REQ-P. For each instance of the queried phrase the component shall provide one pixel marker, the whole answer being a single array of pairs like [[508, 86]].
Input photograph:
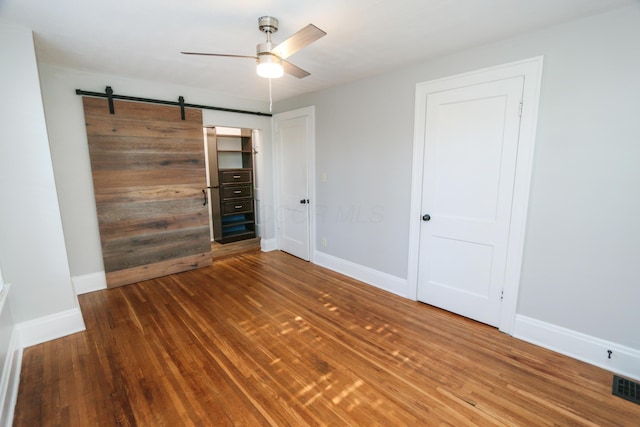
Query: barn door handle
[[204, 195], [426, 217]]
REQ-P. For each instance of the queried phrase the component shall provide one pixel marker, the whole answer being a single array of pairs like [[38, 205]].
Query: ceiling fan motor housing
[[264, 48], [268, 24]]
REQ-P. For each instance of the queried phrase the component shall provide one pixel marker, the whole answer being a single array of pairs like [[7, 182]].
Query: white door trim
[[531, 69], [310, 114]]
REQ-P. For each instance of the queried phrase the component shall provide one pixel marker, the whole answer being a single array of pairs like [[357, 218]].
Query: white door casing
[[294, 158], [473, 151]]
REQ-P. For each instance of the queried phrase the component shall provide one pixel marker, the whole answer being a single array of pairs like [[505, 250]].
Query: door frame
[[531, 70], [310, 113]]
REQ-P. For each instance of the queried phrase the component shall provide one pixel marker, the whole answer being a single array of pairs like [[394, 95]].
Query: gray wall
[[581, 257], [32, 248]]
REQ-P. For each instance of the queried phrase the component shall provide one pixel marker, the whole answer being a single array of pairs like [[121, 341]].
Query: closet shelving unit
[[231, 177]]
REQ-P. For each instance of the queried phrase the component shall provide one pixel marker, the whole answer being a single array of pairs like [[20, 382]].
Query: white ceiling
[[143, 38]]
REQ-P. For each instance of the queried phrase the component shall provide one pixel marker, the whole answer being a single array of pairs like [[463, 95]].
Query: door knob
[[426, 217]]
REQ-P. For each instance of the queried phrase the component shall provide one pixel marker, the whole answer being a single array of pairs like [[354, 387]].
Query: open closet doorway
[[233, 189]]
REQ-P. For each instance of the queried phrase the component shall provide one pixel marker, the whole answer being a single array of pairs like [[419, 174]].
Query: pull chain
[[270, 97]]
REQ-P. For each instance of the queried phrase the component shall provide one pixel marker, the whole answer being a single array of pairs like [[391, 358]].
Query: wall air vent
[[626, 389]]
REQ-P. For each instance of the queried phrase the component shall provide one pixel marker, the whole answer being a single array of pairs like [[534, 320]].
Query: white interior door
[[470, 152], [293, 136]]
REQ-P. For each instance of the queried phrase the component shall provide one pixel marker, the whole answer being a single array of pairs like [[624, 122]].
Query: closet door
[[148, 176]]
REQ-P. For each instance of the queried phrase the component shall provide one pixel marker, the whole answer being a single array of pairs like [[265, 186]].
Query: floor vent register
[[626, 389]]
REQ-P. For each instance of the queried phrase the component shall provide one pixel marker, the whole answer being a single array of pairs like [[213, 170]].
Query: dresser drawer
[[240, 206], [236, 191], [235, 177]]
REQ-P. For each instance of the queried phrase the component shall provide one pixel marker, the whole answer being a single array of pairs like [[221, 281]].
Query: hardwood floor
[[221, 251], [267, 339]]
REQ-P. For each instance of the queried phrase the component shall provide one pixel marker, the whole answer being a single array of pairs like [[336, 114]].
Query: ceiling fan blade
[[294, 70], [302, 38], [219, 54]]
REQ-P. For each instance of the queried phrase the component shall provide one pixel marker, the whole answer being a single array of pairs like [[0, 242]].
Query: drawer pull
[[237, 192], [238, 206], [236, 176]]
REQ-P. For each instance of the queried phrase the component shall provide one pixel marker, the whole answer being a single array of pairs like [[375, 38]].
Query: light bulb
[[269, 66]]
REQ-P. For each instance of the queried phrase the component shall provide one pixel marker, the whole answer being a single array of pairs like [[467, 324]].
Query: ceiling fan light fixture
[[271, 59], [269, 66]]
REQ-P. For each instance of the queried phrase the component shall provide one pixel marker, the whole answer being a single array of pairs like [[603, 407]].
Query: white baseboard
[[624, 360], [10, 380], [376, 278], [89, 282], [48, 328], [268, 245]]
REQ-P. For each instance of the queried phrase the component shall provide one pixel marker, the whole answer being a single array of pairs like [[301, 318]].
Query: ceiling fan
[[270, 58]]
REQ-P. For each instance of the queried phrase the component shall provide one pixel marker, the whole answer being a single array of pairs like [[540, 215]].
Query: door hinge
[[502, 295], [520, 112]]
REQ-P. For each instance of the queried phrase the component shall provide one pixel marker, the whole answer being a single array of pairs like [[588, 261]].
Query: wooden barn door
[[148, 175]]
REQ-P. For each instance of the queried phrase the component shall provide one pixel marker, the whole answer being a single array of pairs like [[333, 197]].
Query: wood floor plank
[[267, 339]]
